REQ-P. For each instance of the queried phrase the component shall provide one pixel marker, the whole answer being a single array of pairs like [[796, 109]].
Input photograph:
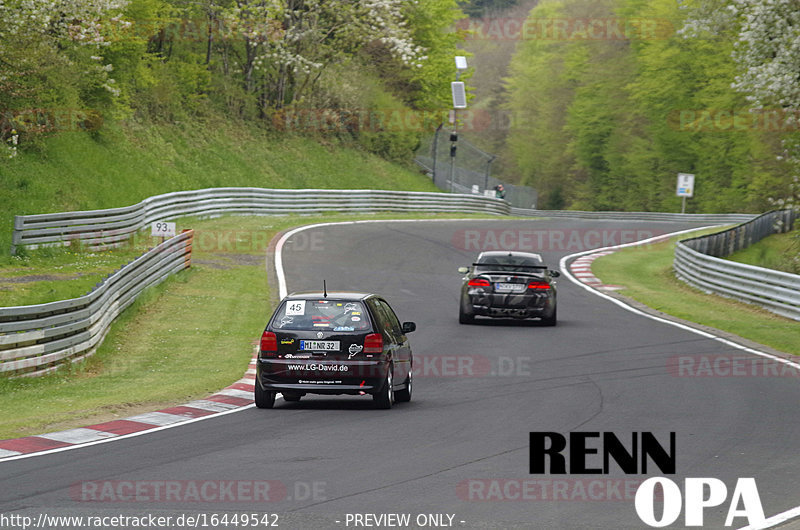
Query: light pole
[[488, 171], [459, 102], [436, 150]]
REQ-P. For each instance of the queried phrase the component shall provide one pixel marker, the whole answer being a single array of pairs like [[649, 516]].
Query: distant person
[[500, 191]]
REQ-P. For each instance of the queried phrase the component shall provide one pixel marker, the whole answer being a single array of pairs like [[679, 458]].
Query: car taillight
[[478, 282], [373, 343], [269, 343], [538, 285]]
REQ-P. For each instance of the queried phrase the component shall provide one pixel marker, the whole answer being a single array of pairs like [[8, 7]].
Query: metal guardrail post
[[19, 223], [187, 262]]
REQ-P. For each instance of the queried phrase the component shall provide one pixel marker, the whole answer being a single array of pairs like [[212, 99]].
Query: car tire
[[404, 395], [463, 316], [265, 399], [384, 398], [288, 396], [551, 320]]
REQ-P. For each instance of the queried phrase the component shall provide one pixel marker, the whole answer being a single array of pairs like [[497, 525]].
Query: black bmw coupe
[[502, 284]]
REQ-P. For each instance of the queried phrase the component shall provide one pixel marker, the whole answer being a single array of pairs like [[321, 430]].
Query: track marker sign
[[685, 185], [685, 188], [162, 229]]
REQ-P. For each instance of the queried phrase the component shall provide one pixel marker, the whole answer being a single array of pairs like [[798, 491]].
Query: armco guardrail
[[727, 242], [36, 339], [697, 263], [637, 216], [101, 228]]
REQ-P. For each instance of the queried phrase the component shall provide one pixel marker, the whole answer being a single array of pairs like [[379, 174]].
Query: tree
[[51, 54], [767, 56], [479, 8]]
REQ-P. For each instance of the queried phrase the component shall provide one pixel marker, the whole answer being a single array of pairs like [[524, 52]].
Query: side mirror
[[408, 327], [555, 274], [463, 270]]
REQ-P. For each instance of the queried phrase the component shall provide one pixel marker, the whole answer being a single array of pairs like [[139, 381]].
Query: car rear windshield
[[330, 315], [508, 264]]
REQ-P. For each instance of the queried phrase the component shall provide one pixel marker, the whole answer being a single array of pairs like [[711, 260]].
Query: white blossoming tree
[[169, 59], [767, 52], [288, 43], [50, 52]]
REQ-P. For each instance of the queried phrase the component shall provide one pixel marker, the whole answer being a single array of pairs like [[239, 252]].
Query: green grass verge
[[646, 274], [778, 251], [56, 273], [182, 340]]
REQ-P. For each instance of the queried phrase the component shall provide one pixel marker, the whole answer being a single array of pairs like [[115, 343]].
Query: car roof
[[338, 295], [514, 253]]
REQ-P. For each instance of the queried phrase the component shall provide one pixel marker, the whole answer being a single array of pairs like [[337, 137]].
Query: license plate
[[509, 287], [319, 345]]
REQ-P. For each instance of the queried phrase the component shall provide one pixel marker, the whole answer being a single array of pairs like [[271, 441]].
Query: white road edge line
[[283, 291], [775, 519], [771, 521]]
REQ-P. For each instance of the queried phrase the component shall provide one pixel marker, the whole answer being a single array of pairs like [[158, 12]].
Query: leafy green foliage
[[607, 123], [479, 8], [169, 61]]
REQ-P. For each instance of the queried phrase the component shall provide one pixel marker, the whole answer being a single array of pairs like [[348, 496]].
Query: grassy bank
[[56, 273], [647, 276], [121, 164], [778, 251]]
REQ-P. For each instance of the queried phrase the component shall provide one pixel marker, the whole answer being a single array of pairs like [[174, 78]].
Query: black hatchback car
[[334, 343], [503, 284]]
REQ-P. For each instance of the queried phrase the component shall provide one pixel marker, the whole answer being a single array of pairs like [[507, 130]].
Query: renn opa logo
[[583, 455]]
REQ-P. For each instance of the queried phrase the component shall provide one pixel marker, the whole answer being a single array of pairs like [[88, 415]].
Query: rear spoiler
[[540, 267]]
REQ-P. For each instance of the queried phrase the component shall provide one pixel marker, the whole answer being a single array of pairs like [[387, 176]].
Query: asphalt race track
[[460, 448]]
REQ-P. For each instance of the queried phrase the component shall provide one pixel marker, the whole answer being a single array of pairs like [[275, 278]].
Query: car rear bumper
[[508, 312], [321, 377], [511, 306]]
